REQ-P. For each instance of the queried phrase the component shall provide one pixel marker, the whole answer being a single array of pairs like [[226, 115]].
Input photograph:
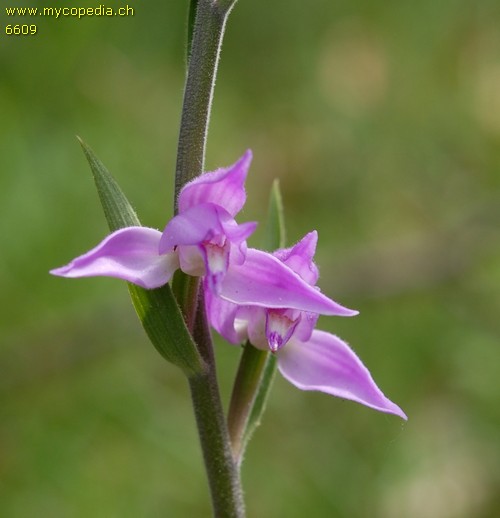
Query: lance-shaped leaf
[[157, 309]]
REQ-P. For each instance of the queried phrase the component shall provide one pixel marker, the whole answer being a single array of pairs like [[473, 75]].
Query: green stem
[[222, 471], [204, 44], [250, 391], [193, 4], [210, 22]]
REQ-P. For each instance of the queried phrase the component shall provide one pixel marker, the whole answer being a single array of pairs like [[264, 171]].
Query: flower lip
[[280, 328], [216, 259]]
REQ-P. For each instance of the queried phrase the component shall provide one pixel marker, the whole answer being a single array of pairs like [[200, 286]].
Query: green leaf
[[275, 235], [117, 209], [157, 309]]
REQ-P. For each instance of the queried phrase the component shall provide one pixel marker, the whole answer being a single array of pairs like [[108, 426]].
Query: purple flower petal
[[300, 257], [192, 227], [203, 223], [255, 325], [222, 316], [263, 280], [224, 187], [192, 260], [237, 235], [327, 364], [130, 254], [306, 326]]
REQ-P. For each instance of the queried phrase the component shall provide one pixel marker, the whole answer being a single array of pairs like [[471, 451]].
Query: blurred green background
[[382, 122]]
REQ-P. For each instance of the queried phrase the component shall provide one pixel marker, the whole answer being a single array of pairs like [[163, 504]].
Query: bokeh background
[[382, 122]]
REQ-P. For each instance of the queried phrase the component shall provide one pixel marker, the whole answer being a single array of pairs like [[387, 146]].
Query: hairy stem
[[222, 471], [210, 22], [204, 44]]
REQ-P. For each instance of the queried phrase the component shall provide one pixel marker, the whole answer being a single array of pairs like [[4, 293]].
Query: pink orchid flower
[[205, 240], [309, 359]]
